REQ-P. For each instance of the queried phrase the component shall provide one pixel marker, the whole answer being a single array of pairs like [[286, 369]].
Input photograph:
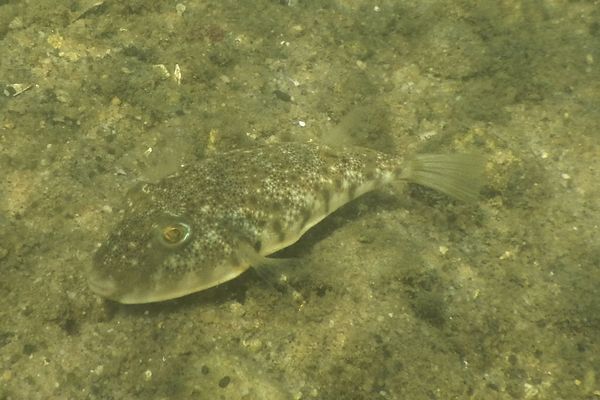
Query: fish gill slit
[[352, 191], [326, 193], [306, 215], [278, 230]]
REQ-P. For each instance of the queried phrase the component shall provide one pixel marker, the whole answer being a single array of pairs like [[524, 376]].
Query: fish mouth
[[108, 289], [102, 287]]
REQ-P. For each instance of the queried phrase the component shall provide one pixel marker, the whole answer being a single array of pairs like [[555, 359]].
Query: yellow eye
[[175, 234]]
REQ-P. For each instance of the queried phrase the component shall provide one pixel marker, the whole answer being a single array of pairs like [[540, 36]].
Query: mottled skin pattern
[[210, 221]]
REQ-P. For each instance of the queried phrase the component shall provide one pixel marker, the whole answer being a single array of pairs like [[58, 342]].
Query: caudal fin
[[458, 175]]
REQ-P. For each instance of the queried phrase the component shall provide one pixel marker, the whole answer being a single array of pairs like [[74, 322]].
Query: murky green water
[[402, 294]]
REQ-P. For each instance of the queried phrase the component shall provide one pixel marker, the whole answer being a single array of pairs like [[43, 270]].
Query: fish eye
[[174, 234]]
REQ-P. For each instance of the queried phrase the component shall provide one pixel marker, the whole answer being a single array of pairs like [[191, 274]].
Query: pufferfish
[[212, 220]]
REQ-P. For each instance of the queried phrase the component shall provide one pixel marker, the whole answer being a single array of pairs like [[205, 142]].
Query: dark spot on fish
[[252, 199], [337, 184], [235, 259], [275, 206], [258, 246], [397, 172]]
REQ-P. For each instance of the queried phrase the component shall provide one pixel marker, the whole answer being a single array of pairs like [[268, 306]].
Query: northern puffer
[[214, 219]]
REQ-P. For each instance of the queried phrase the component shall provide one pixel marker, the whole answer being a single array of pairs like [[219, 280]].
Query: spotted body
[[212, 220]]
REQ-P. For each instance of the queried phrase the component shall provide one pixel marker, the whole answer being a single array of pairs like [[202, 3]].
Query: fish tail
[[457, 175]]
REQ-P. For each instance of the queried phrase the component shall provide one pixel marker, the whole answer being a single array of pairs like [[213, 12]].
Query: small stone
[[224, 382], [254, 345], [16, 23], [180, 9], [55, 40], [237, 309], [3, 253], [589, 58], [6, 376], [98, 370]]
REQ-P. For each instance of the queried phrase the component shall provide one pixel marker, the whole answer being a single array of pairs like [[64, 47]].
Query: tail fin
[[458, 175]]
